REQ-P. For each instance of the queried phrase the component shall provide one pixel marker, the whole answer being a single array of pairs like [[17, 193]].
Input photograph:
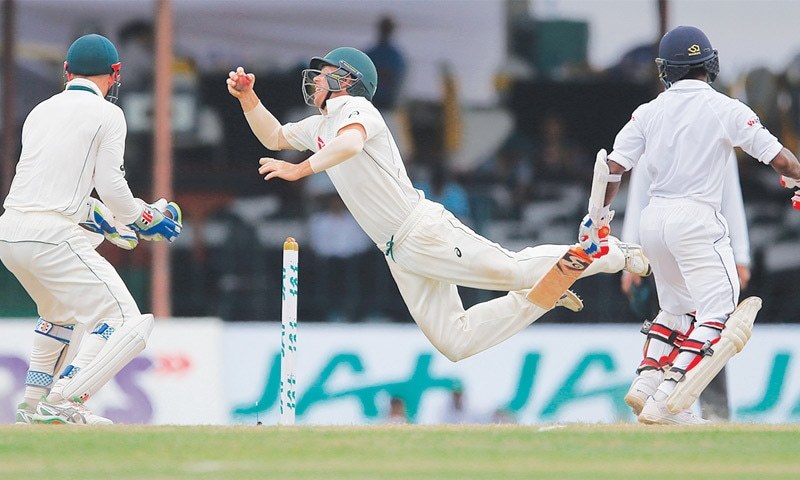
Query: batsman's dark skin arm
[[612, 188], [786, 164]]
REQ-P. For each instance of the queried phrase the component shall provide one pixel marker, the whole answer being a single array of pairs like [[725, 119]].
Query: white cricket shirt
[[373, 184], [73, 143], [688, 133]]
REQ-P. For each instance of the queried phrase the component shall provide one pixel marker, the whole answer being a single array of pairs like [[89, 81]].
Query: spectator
[[442, 188], [508, 176], [397, 411], [560, 159], [456, 411], [391, 66], [340, 246]]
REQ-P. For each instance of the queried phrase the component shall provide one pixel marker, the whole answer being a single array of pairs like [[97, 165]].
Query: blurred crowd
[[530, 186]]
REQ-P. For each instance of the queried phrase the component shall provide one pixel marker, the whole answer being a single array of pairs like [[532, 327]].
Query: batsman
[[428, 250], [687, 134]]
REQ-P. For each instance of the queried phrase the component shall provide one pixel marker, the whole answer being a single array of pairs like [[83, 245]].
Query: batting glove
[[99, 219], [159, 221], [790, 182], [593, 237], [796, 200]]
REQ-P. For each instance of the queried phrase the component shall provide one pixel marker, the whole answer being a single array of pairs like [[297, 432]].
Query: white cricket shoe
[[24, 414], [571, 301], [643, 387], [67, 412], [635, 260], [656, 413]]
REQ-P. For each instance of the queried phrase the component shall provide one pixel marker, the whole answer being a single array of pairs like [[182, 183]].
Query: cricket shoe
[[571, 301], [24, 414], [656, 413], [644, 385], [67, 412], [635, 260]]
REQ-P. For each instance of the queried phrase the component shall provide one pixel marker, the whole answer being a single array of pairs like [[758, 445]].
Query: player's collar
[[689, 83], [84, 84], [335, 104]]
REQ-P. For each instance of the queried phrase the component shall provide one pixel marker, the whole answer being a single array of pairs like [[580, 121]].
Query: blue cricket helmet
[[683, 49]]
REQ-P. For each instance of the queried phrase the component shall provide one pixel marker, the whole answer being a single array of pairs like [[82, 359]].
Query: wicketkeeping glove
[[159, 221], [99, 219], [593, 232]]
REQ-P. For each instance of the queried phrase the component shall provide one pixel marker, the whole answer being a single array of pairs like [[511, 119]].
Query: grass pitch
[[727, 452]]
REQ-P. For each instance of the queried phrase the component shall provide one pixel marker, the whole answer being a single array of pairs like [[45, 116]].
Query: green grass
[[400, 452]]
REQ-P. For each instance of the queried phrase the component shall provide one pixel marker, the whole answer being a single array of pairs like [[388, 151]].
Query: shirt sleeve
[[630, 142], [109, 171], [301, 135], [747, 132], [362, 113]]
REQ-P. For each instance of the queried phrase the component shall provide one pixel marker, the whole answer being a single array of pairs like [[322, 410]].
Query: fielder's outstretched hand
[[274, 168], [240, 83]]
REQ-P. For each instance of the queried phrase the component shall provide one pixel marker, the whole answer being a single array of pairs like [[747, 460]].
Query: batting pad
[[737, 331], [122, 347]]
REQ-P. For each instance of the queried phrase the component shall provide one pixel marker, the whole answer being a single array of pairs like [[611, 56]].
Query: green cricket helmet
[[94, 55], [355, 73]]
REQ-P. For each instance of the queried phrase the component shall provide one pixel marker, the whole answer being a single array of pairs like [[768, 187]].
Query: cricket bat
[[567, 269]]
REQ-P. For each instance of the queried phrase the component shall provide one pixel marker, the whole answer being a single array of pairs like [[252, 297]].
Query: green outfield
[[401, 452]]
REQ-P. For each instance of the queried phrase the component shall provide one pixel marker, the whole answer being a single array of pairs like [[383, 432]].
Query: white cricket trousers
[[434, 252], [55, 262], [690, 251]]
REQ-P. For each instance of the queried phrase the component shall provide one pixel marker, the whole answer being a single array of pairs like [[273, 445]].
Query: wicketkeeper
[[72, 144]]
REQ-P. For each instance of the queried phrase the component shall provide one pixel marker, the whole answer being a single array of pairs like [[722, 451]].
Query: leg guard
[[122, 346], [737, 331], [49, 349], [665, 333]]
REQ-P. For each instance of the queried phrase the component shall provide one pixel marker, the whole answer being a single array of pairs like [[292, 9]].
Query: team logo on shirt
[[458, 252], [353, 114], [320, 143], [753, 121]]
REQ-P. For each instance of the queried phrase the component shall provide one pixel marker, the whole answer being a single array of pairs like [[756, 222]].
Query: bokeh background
[[498, 107]]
